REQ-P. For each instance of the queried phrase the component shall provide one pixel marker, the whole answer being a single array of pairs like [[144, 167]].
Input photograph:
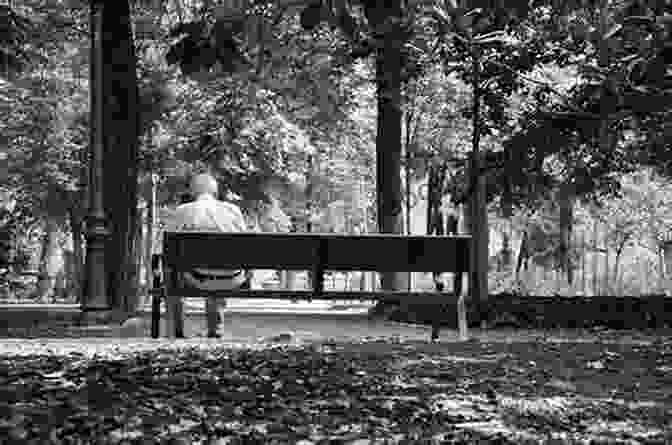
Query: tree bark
[[507, 215], [478, 206], [583, 261], [77, 232], [121, 132], [150, 234], [435, 224], [643, 272], [523, 255], [595, 258], [606, 268], [506, 253], [132, 299], [661, 269], [48, 262], [388, 136], [617, 262], [667, 263], [566, 204]]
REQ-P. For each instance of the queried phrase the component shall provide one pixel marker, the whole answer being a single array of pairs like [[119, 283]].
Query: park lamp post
[[96, 232]]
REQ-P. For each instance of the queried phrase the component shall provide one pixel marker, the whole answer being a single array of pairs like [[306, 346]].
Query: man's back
[[207, 214]]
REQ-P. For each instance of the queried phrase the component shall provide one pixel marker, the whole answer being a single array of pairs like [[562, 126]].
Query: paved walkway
[[251, 327]]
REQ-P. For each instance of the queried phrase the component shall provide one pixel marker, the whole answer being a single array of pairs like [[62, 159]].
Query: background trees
[[302, 102]]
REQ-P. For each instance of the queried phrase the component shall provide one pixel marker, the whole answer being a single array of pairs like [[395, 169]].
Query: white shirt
[[207, 214]]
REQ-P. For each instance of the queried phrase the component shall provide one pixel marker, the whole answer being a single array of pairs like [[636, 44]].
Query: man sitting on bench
[[206, 214]]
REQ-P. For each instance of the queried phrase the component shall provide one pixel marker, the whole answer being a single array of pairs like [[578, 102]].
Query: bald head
[[203, 184]]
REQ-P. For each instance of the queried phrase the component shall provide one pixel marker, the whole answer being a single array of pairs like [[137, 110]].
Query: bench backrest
[[184, 251]]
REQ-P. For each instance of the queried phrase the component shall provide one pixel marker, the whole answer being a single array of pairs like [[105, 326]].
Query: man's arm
[[174, 222], [238, 220]]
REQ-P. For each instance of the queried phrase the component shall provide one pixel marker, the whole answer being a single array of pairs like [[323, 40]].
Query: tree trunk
[[505, 253], [478, 207], [466, 228], [388, 136], [150, 234], [606, 269], [583, 261], [605, 108], [661, 269], [667, 269], [121, 132], [479, 231], [617, 262], [77, 230], [134, 291], [643, 272], [595, 258], [566, 205], [48, 262], [523, 255], [507, 215], [435, 225]]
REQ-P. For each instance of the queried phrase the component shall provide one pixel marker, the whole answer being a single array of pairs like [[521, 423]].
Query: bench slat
[[289, 251], [415, 297]]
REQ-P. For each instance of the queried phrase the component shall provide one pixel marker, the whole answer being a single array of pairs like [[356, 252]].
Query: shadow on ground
[[503, 387]]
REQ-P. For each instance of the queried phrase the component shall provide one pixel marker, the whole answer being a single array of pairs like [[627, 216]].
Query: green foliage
[[256, 124], [642, 213], [15, 48]]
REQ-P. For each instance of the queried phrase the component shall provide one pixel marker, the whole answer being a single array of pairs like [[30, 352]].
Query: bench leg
[[436, 325], [179, 318], [174, 317], [441, 310], [211, 316], [156, 314]]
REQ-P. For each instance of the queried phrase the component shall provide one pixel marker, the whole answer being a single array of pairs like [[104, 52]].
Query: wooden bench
[[318, 253]]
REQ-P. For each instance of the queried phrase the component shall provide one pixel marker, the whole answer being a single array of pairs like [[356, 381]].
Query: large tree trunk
[[121, 131], [388, 137], [478, 206], [479, 232]]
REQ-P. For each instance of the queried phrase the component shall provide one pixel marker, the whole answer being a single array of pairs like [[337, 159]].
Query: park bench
[[183, 251]]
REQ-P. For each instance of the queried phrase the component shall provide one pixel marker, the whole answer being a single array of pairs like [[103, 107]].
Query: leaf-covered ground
[[609, 388]]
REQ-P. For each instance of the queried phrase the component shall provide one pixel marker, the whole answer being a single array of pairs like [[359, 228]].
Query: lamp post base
[[96, 298]]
